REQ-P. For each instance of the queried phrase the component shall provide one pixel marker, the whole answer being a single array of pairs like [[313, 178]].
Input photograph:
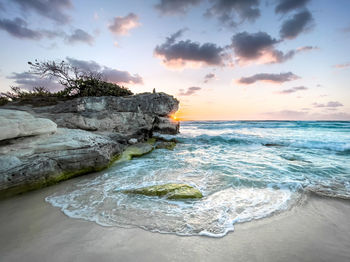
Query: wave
[[244, 174], [219, 125], [237, 139]]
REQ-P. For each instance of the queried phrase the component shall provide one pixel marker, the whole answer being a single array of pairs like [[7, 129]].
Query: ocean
[[246, 170]]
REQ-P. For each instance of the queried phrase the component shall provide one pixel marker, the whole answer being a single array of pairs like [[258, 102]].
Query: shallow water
[[246, 170]]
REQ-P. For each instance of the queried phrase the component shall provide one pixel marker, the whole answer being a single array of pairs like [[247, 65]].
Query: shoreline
[[33, 230], [41, 145]]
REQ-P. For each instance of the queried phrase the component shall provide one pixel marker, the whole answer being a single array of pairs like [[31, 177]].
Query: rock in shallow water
[[170, 145], [135, 151], [170, 191]]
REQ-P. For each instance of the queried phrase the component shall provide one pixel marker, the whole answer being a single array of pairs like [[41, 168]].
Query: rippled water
[[246, 170]]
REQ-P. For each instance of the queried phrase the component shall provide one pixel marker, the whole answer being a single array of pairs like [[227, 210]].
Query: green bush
[[3, 100], [96, 87], [76, 83]]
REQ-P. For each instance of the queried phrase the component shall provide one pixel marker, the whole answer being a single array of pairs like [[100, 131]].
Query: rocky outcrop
[[18, 124], [169, 191], [32, 162], [134, 116], [92, 132], [166, 125]]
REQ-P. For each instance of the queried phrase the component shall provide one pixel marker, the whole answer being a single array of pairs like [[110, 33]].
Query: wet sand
[[32, 230]]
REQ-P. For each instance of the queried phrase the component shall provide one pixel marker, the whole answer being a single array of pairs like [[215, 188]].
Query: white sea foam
[[241, 179]]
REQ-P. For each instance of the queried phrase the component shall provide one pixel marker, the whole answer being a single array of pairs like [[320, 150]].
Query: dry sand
[[33, 230]]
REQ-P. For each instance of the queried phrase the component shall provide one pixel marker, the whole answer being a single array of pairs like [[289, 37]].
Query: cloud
[[287, 114], [27, 80], [81, 36], [175, 6], [285, 6], [275, 78], [190, 91], [226, 11], [307, 48], [340, 66], [297, 24], [250, 46], [258, 47], [84, 65], [109, 74], [329, 104], [209, 77], [188, 53], [51, 9], [18, 28], [304, 115], [346, 29], [293, 90], [117, 76], [122, 25]]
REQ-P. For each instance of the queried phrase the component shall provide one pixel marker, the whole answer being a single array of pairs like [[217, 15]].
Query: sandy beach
[[32, 230]]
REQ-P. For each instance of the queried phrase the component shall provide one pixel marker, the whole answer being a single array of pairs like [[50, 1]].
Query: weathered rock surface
[[165, 125], [33, 162], [92, 132], [16, 123], [170, 191], [135, 116], [170, 145], [136, 150]]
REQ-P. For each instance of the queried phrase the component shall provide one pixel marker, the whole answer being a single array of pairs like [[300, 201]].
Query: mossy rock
[[151, 141], [136, 151], [166, 145], [170, 191]]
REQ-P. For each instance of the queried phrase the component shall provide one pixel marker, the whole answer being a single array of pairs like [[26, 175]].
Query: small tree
[[77, 82]]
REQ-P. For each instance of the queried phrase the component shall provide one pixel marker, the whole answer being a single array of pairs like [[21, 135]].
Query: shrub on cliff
[[3, 100], [76, 83]]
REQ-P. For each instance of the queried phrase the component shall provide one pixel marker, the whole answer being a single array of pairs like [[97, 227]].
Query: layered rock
[[134, 116], [92, 132], [18, 124], [32, 162]]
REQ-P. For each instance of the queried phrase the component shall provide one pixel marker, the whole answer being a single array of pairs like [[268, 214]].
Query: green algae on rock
[[170, 191], [135, 151]]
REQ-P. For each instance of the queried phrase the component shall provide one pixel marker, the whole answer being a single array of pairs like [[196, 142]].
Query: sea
[[246, 170]]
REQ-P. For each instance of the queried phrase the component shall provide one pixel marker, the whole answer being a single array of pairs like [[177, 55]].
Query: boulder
[[136, 150], [169, 191], [166, 125], [15, 123], [132, 141], [33, 162], [170, 145]]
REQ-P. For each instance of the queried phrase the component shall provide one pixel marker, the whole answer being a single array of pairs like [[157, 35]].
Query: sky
[[222, 59]]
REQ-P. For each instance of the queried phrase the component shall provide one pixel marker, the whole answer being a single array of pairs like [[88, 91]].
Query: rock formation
[[169, 191], [18, 124], [42, 145]]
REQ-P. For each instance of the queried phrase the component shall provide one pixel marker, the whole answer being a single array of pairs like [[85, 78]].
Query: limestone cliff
[[91, 132]]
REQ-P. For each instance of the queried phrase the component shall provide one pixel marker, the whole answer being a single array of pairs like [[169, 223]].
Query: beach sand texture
[[32, 230]]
